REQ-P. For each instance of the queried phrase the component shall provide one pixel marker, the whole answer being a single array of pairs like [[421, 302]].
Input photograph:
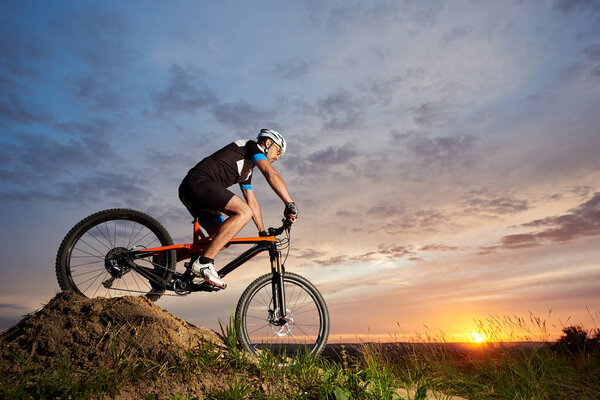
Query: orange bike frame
[[185, 251]]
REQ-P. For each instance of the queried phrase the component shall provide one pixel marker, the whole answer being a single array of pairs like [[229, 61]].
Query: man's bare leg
[[239, 215]]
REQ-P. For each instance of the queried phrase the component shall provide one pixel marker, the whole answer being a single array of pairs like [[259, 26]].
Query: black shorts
[[205, 201]]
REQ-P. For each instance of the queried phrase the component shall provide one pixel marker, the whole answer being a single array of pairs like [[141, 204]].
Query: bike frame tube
[[185, 251], [198, 247], [247, 256]]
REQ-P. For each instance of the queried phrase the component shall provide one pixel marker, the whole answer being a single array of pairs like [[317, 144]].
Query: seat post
[[198, 234]]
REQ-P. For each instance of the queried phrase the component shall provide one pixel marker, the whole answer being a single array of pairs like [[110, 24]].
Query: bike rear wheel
[[307, 326], [92, 258]]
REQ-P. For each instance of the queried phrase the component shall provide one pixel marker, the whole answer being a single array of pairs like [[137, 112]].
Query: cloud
[[37, 158], [345, 260], [98, 37], [322, 161], [584, 220], [581, 221], [102, 58], [185, 92], [106, 92], [292, 69], [339, 110], [455, 34], [432, 114], [13, 109], [241, 115], [504, 205], [104, 187], [438, 247], [383, 91], [309, 254], [19, 47], [434, 153], [96, 127], [21, 50], [445, 150], [12, 106], [592, 52], [396, 252], [386, 210], [332, 155], [419, 221], [383, 253], [571, 6], [356, 15], [10, 307]]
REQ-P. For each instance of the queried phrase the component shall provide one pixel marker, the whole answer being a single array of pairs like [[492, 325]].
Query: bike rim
[[304, 331], [88, 255]]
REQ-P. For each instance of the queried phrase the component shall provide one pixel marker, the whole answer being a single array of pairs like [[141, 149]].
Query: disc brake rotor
[[282, 329]]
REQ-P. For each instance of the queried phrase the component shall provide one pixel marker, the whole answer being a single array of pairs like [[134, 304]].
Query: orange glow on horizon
[[478, 337]]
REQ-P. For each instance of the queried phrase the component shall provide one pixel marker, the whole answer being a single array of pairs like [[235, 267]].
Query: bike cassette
[[116, 262]]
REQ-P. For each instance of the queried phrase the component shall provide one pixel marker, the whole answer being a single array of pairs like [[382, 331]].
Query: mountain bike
[[120, 252]]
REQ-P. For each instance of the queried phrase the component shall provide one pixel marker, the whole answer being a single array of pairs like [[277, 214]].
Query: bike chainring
[[182, 286]]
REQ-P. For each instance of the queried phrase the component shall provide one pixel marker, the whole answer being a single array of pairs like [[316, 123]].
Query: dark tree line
[[577, 341]]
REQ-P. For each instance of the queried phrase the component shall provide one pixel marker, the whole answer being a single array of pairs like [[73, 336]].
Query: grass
[[567, 369]]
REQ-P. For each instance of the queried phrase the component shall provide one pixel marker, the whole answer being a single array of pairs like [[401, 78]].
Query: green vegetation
[[566, 369]]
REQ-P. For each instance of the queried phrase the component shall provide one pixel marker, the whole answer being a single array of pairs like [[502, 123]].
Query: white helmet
[[275, 136]]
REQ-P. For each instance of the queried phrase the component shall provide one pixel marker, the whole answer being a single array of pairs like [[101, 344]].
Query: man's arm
[[255, 207], [274, 180]]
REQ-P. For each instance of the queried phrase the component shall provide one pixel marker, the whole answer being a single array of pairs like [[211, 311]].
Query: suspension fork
[[277, 273]]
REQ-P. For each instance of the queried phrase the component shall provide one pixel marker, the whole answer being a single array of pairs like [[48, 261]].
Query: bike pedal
[[207, 287]]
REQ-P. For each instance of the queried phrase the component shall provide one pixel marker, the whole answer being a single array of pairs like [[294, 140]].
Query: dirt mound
[[93, 332]]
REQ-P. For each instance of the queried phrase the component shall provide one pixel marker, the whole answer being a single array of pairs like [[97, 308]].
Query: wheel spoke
[[83, 265], [88, 272], [303, 308], [108, 235]]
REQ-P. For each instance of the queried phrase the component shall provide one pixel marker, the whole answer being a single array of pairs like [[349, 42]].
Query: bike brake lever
[[274, 231], [278, 231]]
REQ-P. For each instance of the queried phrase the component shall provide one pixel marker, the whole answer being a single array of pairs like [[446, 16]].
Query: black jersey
[[232, 164]]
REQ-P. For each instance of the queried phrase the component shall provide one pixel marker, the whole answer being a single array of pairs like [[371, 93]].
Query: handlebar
[[278, 231]]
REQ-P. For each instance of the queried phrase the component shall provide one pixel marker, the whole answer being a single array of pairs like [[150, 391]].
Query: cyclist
[[204, 193]]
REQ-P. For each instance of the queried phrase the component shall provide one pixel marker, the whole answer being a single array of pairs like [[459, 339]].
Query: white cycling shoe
[[208, 272]]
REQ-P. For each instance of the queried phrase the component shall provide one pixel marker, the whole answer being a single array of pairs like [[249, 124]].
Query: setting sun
[[478, 337]]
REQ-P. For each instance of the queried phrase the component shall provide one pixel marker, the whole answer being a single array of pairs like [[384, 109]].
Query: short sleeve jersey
[[230, 165]]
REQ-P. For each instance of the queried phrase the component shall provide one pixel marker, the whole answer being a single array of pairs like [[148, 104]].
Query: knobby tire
[[80, 261], [308, 330]]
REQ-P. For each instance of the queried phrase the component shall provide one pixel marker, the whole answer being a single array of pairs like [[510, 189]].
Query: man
[[204, 193]]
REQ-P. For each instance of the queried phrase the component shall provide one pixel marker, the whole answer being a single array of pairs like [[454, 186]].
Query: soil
[[88, 327], [92, 332]]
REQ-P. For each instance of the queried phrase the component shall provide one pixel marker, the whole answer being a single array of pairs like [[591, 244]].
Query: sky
[[444, 155]]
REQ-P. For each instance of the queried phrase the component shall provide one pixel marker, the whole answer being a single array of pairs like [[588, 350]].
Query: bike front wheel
[[307, 318], [94, 257]]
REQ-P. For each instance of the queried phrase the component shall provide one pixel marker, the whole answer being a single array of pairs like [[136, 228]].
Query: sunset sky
[[444, 155]]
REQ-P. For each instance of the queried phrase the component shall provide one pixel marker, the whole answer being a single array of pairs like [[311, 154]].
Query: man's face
[[274, 153]]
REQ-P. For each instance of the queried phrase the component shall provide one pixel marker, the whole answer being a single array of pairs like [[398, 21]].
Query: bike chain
[[144, 292]]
